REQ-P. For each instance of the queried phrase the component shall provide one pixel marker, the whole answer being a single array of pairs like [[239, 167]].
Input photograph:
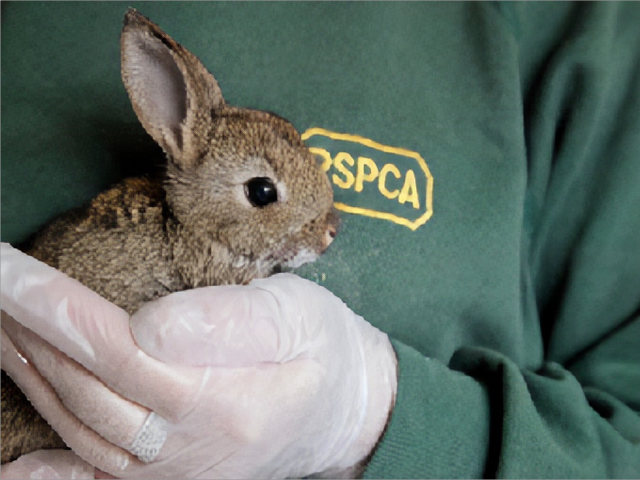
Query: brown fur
[[146, 238]]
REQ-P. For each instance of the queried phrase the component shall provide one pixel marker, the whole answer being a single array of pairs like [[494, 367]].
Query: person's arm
[[577, 415]]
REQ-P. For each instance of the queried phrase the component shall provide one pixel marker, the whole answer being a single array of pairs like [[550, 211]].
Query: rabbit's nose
[[333, 225], [329, 235]]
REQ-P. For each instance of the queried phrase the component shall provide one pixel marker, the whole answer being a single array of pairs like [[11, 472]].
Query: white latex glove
[[50, 464], [275, 379]]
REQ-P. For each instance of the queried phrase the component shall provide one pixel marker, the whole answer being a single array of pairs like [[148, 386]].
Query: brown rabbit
[[242, 197]]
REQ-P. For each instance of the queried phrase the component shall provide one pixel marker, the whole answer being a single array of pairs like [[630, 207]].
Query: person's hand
[[275, 379]]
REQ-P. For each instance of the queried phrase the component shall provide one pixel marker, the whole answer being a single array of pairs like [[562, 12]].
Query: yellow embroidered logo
[[374, 180]]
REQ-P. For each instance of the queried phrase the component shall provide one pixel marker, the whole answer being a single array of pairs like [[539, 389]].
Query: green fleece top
[[486, 159]]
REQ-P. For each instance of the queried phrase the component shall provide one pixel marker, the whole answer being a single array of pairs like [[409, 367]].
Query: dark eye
[[260, 191]]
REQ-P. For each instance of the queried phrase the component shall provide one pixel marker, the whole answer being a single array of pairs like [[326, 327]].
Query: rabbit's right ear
[[167, 86]]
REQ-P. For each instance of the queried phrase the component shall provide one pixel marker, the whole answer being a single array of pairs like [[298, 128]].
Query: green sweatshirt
[[486, 160]]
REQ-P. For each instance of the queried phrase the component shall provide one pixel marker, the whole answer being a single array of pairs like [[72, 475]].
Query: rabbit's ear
[[167, 86]]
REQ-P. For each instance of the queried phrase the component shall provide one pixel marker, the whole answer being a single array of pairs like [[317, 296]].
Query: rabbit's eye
[[260, 191]]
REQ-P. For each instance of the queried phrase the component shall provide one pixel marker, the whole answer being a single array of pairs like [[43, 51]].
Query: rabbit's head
[[240, 183]]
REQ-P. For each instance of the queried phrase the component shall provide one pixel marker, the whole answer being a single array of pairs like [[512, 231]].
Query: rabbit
[[242, 197]]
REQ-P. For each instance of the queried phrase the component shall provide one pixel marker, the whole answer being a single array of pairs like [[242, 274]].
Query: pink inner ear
[[155, 84]]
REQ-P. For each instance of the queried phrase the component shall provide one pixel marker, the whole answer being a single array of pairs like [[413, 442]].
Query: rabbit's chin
[[280, 262], [303, 256]]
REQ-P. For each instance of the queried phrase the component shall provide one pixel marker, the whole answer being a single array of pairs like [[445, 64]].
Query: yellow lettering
[[348, 180], [402, 176], [326, 157], [409, 191], [382, 180], [361, 176]]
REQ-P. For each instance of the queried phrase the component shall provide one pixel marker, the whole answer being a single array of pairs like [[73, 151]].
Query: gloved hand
[[275, 379]]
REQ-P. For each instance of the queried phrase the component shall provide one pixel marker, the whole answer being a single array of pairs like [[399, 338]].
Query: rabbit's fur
[[212, 220]]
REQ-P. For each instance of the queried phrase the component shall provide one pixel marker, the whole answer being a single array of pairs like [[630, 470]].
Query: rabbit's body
[[241, 198], [119, 245]]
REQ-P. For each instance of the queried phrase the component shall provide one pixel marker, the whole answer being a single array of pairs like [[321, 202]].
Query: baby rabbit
[[242, 197]]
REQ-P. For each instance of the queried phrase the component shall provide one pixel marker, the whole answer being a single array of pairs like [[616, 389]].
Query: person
[[485, 157]]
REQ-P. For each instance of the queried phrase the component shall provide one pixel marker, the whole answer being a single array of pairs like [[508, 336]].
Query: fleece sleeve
[[577, 414], [483, 417]]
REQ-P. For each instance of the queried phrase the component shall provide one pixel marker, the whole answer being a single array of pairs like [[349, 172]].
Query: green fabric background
[[527, 116]]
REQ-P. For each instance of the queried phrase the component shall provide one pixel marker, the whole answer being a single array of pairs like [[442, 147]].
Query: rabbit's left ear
[[167, 86]]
